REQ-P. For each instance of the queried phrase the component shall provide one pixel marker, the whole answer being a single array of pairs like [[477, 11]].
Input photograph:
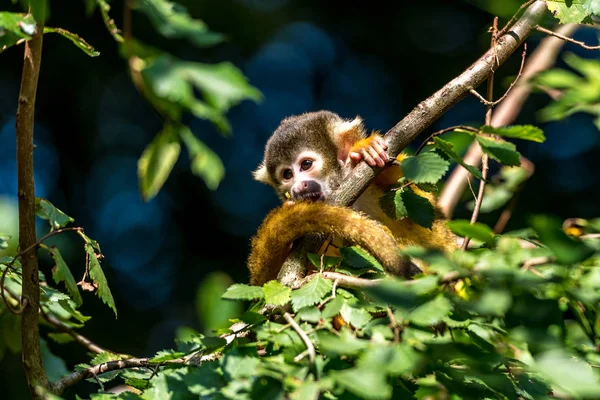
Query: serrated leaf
[[55, 217], [75, 39], [393, 205], [358, 317], [62, 273], [104, 357], [431, 312], [236, 367], [157, 161], [525, 132], [173, 21], [166, 355], [448, 148], [97, 275], [424, 168], [311, 293], [571, 11], [465, 228], [205, 163], [310, 314], [276, 293], [15, 27], [240, 291], [502, 151]]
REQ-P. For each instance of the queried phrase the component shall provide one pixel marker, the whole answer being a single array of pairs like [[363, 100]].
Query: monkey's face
[[309, 176]]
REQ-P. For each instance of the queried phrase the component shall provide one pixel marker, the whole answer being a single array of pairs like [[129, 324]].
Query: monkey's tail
[[283, 225]]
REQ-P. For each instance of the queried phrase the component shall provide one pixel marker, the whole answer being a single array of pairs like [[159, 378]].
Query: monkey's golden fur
[[283, 225]]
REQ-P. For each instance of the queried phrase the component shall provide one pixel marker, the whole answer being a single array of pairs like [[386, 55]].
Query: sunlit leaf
[[525, 132], [15, 27], [97, 275], [419, 209], [157, 161], [571, 11], [575, 377], [55, 217], [500, 150], [276, 293], [424, 168], [311, 293], [364, 383], [4, 238], [477, 230], [431, 312], [240, 291], [173, 21]]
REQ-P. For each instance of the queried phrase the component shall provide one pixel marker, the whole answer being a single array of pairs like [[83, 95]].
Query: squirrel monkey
[[306, 159]]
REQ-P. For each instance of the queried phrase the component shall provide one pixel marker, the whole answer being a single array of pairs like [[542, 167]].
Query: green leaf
[[55, 366], [525, 132], [424, 168], [77, 41], [358, 317], [557, 78], [357, 258], [157, 161], [323, 261], [61, 338], [419, 209], [311, 293], [571, 11], [236, 367], [173, 21], [56, 218], [276, 293], [240, 291], [166, 355], [62, 273], [364, 383], [572, 375], [15, 27], [4, 238], [448, 148], [431, 312], [393, 204], [97, 275], [565, 249], [477, 230], [502, 151], [397, 360], [205, 163], [344, 343]]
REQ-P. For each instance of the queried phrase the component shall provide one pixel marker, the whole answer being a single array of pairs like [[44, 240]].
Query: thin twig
[[496, 102], [567, 39], [393, 324], [485, 157], [309, 346]]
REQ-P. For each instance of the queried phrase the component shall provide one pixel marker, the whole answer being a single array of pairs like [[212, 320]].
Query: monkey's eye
[[306, 164], [287, 174]]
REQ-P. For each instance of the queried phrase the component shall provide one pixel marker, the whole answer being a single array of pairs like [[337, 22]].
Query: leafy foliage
[[574, 11]]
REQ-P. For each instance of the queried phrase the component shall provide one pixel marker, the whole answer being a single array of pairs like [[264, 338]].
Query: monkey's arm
[[283, 225]]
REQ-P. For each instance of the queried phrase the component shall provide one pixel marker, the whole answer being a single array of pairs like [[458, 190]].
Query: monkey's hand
[[372, 150]]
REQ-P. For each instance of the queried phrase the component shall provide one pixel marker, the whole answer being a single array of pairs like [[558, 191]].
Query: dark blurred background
[[162, 258]]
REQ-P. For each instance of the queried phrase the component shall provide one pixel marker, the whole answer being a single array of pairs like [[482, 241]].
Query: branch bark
[[421, 117], [30, 336], [541, 59]]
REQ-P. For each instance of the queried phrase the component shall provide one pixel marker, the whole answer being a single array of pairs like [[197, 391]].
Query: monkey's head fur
[[306, 158]]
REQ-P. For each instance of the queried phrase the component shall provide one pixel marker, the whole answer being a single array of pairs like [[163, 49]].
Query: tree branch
[[421, 117], [541, 59], [30, 334]]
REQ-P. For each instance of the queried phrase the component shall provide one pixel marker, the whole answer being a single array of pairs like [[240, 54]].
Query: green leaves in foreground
[[477, 230], [157, 161], [402, 203], [62, 273], [75, 39], [55, 217], [574, 11], [424, 168], [98, 278]]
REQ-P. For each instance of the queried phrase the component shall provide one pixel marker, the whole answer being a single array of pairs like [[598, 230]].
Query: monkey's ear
[[262, 175], [345, 134]]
